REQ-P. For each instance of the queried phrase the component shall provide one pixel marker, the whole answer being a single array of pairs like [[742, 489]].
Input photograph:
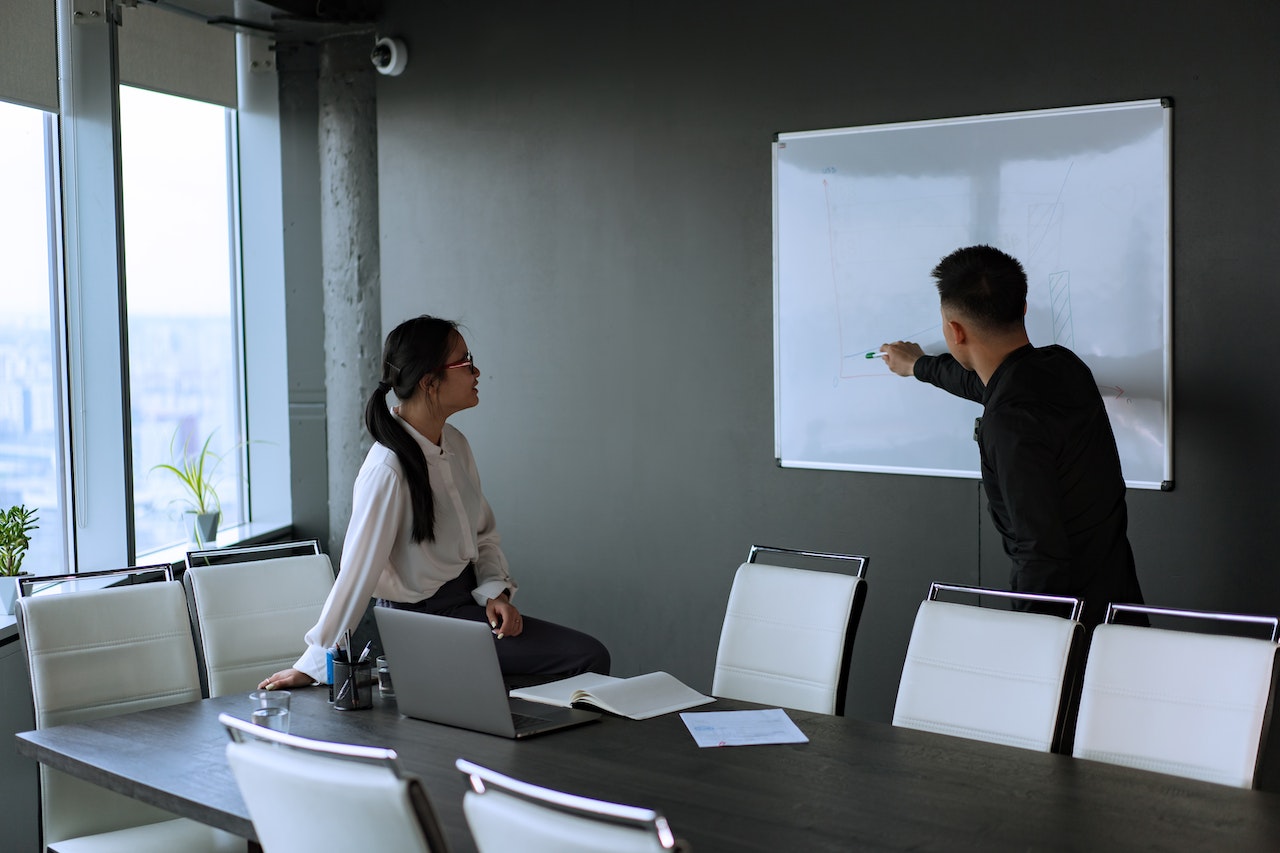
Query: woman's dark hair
[[414, 349]]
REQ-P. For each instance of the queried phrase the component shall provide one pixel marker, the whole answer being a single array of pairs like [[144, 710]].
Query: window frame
[[94, 354]]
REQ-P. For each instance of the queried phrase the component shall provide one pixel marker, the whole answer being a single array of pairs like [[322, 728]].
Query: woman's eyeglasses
[[467, 361]]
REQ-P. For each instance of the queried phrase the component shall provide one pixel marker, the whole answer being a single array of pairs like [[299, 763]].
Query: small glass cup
[[385, 688], [270, 709]]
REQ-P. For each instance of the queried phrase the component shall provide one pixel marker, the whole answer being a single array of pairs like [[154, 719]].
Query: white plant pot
[[9, 593], [204, 527]]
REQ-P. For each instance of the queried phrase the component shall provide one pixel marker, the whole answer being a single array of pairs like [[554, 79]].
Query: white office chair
[[1002, 676], [100, 652], [1188, 704], [788, 633], [306, 795], [506, 814], [250, 610]]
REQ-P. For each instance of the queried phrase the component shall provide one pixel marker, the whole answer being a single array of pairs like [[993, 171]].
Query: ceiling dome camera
[[389, 56]]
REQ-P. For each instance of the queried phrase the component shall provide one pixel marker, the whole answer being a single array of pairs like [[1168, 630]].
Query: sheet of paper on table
[[742, 728]]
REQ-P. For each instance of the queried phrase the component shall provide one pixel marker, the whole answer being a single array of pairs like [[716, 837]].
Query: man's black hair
[[984, 285]]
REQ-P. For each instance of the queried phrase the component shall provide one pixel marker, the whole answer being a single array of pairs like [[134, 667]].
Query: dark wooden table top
[[855, 785]]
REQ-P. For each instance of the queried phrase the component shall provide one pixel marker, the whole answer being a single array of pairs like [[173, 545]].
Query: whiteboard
[[862, 215]]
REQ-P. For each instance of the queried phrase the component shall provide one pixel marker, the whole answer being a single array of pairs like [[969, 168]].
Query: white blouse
[[380, 558]]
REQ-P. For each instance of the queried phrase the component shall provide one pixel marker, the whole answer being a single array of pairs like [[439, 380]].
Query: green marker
[[875, 354]]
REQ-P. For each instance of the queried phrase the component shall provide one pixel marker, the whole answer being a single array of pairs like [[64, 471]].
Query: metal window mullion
[[268, 399], [97, 328], [58, 330], [236, 269]]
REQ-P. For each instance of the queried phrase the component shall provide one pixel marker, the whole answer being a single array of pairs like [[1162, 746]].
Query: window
[[122, 338], [32, 430], [181, 286]]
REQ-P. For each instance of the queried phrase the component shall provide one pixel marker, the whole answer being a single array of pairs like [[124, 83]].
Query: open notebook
[[639, 697]]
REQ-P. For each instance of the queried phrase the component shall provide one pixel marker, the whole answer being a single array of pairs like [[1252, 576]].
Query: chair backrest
[[1001, 676], [788, 633], [1178, 702], [506, 814], [306, 795], [250, 553], [249, 617], [98, 653], [89, 581]]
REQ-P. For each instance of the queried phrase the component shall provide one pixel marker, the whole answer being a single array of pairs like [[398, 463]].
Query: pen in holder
[[329, 655], [352, 685]]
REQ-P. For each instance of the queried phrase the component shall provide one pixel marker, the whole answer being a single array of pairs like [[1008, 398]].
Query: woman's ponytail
[[414, 349]]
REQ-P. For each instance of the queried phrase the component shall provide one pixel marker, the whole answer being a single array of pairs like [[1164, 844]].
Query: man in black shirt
[[1049, 459]]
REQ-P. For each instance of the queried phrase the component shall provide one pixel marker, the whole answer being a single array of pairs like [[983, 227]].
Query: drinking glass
[[270, 708], [385, 688]]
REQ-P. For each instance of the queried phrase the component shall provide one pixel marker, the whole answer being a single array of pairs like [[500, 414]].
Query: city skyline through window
[[32, 458], [181, 275]]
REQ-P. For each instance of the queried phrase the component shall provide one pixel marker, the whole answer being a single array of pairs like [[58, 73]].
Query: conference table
[[856, 785]]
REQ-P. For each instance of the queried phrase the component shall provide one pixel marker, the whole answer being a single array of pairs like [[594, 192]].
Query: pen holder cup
[[352, 685]]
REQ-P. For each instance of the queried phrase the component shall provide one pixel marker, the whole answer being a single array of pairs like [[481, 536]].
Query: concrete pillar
[[352, 285]]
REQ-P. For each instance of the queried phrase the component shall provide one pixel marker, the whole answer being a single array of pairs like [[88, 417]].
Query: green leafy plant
[[195, 472], [16, 525]]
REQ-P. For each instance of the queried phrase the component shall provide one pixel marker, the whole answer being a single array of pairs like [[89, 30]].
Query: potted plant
[[195, 473], [16, 525]]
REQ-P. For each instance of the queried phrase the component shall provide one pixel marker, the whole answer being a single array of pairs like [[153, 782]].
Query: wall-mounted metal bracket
[[95, 11], [262, 55]]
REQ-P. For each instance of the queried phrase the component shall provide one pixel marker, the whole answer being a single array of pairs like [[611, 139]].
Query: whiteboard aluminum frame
[[1166, 104]]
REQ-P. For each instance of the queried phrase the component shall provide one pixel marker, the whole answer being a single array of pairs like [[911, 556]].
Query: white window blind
[[176, 54], [29, 53]]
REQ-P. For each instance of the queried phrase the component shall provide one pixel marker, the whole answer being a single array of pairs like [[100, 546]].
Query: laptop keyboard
[[523, 721]]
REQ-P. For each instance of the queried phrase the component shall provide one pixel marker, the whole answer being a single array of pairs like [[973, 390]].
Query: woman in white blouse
[[422, 536]]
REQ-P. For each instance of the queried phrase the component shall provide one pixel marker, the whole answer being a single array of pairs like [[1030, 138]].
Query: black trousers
[[542, 649]]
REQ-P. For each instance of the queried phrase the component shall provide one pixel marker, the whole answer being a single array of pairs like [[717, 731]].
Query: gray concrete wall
[[587, 187]]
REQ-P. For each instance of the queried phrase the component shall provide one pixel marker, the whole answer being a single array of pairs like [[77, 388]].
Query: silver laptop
[[446, 671]]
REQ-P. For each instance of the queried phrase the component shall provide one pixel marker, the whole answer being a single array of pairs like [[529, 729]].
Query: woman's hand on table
[[286, 678]]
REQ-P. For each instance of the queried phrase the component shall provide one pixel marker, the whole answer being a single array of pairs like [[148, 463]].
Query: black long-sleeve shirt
[[1052, 474]]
